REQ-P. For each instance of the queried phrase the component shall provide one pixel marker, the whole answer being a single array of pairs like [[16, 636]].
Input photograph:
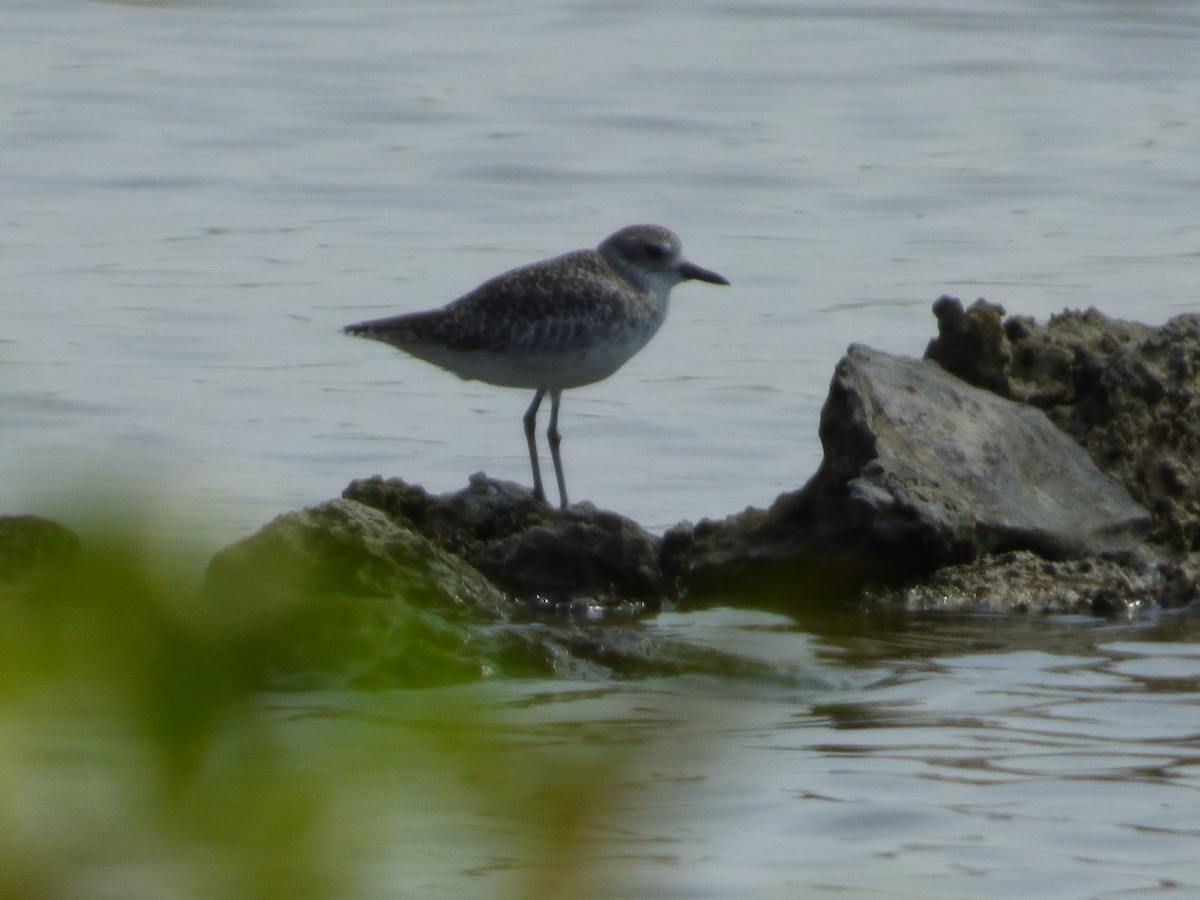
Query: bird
[[561, 323]]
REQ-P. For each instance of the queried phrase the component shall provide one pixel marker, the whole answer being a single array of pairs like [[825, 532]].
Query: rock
[[920, 470], [971, 343], [1018, 359], [545, 557], [340, 592], [1129, 393], [1180, 581], [932, 493], [1023, 582], [349, 594], [346, 547], [947, 472]]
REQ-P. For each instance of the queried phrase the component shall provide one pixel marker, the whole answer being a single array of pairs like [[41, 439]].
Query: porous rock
[[544, 557], [1023, 582], [1128, 392], [920, 470], [345, 593]]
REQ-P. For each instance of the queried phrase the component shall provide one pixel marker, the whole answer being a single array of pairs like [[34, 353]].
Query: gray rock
[[551, 559], [952, 472], [920, 470], [1129, 393]]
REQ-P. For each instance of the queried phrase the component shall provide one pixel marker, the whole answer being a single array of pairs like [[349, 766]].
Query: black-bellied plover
[[557, 324]]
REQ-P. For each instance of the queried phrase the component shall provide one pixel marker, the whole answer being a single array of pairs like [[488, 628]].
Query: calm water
[[197, 195], [1049, 759]]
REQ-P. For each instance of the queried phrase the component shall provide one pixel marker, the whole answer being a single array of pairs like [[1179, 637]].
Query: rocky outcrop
[[1128, 393], [1024, 582], [999, 466], [349, 594], [341, 590], [920, 471], [1019, 466], [577, 560]]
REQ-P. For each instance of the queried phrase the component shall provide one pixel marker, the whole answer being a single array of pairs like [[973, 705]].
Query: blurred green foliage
[[133, 742], [143, 753]]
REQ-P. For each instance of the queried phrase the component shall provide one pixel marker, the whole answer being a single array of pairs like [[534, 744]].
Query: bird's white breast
[[553, 370]]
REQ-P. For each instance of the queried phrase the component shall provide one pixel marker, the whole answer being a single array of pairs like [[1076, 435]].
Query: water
[[197, 195], [985, 758]]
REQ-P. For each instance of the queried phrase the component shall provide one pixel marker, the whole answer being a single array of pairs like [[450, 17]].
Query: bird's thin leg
[[530, 421], [554, 439]]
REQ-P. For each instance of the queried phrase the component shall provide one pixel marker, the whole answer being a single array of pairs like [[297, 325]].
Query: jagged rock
[[920, 470], [932, 493], [1024, 582], [541, 555], [1127, 392], [346, 593], [971, 343]]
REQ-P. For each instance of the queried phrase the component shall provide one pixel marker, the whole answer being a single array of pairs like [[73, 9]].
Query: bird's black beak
[[694, 272]]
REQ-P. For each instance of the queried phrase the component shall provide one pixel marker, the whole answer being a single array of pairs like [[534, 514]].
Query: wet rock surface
[[1005, 472], [1127, 392], [351, 593], [1024, 582], [547, 559], [920, 471]]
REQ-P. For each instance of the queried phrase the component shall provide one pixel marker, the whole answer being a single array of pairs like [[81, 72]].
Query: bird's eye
[[655, 251]]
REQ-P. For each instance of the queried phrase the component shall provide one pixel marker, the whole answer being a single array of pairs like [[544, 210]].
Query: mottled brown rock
[[920, 470], [1026, 583], [542, 556], [971, 343], [1129, 393]]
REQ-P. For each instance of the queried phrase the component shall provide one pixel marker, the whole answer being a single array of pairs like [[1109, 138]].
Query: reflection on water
[[928, 757]]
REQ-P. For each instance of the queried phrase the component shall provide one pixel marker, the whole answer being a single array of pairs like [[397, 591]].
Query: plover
[[557, 324]]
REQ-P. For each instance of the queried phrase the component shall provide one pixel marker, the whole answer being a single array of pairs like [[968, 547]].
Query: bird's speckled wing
[[559, 305]]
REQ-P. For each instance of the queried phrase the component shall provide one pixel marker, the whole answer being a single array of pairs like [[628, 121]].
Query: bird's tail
[[360, 329], [400, 331]]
